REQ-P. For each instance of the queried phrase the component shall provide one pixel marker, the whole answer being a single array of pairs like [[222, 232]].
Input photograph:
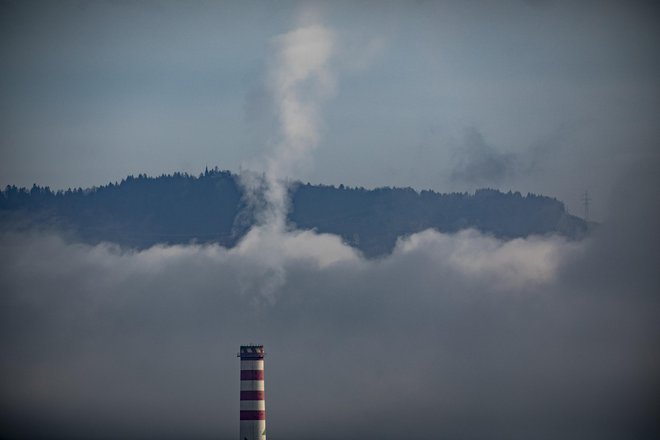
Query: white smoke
[[300, 79]]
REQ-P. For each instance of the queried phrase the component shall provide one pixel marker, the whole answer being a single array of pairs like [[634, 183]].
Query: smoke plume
[[300, 79]]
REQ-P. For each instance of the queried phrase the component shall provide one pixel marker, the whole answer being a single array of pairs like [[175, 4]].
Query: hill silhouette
[[180, 208]]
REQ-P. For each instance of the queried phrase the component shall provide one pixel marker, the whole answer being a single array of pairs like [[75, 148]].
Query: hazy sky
[[457, 335], [541, 96]]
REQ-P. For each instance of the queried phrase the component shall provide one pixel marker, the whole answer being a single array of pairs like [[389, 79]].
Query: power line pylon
[[586, 201]]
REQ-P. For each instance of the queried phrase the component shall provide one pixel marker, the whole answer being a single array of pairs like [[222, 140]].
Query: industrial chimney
[[253, 405]]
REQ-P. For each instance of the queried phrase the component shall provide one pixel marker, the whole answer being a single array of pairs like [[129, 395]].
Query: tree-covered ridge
[[180, 208]]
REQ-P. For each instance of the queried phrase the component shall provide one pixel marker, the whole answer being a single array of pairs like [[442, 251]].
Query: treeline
[[181, 208]]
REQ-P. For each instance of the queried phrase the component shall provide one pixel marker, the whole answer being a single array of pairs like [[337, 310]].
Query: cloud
[[460, 334], [509, 265], [479, 162]]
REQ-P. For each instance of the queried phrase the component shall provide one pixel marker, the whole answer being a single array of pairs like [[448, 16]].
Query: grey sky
[[93, 91]]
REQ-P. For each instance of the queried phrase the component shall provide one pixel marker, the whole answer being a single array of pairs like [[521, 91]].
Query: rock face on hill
[[173, 209]]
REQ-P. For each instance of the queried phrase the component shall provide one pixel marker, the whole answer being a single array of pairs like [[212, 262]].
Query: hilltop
[[141, 211]]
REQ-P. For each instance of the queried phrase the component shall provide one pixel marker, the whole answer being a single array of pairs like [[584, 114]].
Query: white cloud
[[458, 322], [511, 265]]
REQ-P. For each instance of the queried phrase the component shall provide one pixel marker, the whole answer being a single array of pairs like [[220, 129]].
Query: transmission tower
[[586, 200]]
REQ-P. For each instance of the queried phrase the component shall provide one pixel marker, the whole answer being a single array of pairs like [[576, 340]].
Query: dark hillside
[[373, 219], [142, 211]]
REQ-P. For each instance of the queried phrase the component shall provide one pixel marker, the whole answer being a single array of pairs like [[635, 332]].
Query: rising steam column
[[253, 405]]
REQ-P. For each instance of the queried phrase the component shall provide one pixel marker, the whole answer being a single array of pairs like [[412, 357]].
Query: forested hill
[[180, 208]]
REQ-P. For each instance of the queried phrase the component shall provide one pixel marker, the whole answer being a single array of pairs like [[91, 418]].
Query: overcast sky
[[457, 335], [541, 96]]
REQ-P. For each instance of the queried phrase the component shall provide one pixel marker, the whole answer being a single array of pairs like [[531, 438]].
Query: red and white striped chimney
[[253, 404]]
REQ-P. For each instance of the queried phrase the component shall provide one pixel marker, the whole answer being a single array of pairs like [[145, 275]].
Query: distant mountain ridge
[[180, 208]]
